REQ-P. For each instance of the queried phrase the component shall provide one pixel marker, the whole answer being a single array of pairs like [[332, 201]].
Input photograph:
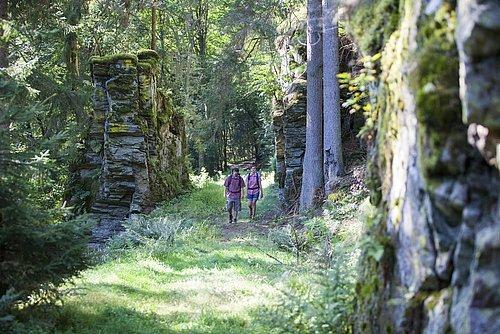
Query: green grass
[[202, 283], [212, 278], [198, 287]]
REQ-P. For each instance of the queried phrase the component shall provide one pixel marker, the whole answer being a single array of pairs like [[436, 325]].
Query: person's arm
[[225, 188], [260, 187], [242, 188]]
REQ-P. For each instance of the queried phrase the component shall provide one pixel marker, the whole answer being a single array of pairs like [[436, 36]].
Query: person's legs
[[237, 208], [254, 207], [250, 207], [229, 206]]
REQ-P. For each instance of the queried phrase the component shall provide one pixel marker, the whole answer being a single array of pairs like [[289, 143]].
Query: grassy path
[[212, 279]]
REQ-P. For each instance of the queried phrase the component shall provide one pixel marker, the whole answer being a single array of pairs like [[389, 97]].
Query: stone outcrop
[[438, 219], [289, 115], [135, 153], [479, 49]]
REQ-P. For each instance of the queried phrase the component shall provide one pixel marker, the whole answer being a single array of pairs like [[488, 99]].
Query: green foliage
[[359, 98], [40, 249], [156, 234], [197, 282], [291, 238], [373, 22], [325, 305]]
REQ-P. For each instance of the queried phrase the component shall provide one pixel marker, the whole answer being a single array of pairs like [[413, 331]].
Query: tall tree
[[332, 139], [312, 178], [3, 46]]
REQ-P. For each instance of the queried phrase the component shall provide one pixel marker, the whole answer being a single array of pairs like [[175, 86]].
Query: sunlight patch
[[155, 266]]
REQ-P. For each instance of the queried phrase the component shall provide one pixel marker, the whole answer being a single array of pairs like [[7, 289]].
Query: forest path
[[214, 278]]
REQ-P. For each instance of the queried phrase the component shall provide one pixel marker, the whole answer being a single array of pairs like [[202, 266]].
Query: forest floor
[[207, 277]]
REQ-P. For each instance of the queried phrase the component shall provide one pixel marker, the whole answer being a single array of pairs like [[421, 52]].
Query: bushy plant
[[292, 238], [325, 305], [156, 234], [39, 249]]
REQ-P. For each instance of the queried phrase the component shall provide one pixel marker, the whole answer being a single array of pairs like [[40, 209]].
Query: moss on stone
[[147, 54], [144, 66], [436, 83], [126, 57], [372, 22]]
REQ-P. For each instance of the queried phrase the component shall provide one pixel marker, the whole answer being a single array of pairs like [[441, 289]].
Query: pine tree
[[332, 140], [312, 179]]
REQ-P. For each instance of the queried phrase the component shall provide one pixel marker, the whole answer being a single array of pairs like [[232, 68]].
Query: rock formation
[[135, 153], [289, 116], [438, 219]]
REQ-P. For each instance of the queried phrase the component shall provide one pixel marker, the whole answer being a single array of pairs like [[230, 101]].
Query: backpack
[[258, 180], [234, 186]]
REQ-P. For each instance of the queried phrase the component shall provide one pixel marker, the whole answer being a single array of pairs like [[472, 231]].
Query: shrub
[[39, 249], [325, 305], [156, 234], [37, 257]]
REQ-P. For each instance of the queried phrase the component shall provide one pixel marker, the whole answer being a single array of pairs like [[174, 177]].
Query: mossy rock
[[126, 58], [372, 22], [147, 54], [436, 82], [144, 66]]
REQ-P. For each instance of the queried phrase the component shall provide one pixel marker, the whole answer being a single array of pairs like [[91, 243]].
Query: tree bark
[[4, 51], [153, 25], [312, 178], [126, 15], [332, 139]]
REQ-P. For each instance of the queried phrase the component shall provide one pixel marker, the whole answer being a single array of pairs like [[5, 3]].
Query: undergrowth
[[174, 271], [329, 246]]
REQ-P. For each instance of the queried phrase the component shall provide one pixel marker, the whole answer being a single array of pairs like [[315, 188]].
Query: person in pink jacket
[[254, 190]]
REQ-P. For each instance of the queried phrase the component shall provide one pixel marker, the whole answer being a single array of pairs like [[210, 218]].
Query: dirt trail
[[243, 228]]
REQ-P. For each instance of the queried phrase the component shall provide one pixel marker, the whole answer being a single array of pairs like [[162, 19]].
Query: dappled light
[[249, 166]]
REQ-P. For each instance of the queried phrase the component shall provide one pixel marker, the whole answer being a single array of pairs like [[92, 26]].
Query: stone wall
[[135, 153], [438, 217]]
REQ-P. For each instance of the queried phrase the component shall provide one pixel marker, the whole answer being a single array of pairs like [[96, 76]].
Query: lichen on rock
[[136, 149], [437, 196]]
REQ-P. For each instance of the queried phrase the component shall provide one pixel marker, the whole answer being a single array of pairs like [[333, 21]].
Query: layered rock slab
[[135, 152]]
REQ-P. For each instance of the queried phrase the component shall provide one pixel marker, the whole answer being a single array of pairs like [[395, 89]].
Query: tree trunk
[[126, 15], [312, 178], [74, 13], [225, 149], [256, 152], [4, 62], [153, 25], [332, 139]]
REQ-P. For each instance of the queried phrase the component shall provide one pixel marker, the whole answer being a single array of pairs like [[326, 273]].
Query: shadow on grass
[[243, 259], [111, 319], [101, 318]]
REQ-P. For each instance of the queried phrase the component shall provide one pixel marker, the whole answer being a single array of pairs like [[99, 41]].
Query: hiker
[[254, 190], [233, 191]]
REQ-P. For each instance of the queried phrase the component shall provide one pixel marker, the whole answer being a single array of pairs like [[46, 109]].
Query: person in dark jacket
[[233, 192]]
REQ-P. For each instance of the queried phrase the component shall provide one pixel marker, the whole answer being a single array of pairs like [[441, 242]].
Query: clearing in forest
[[202, 275]]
